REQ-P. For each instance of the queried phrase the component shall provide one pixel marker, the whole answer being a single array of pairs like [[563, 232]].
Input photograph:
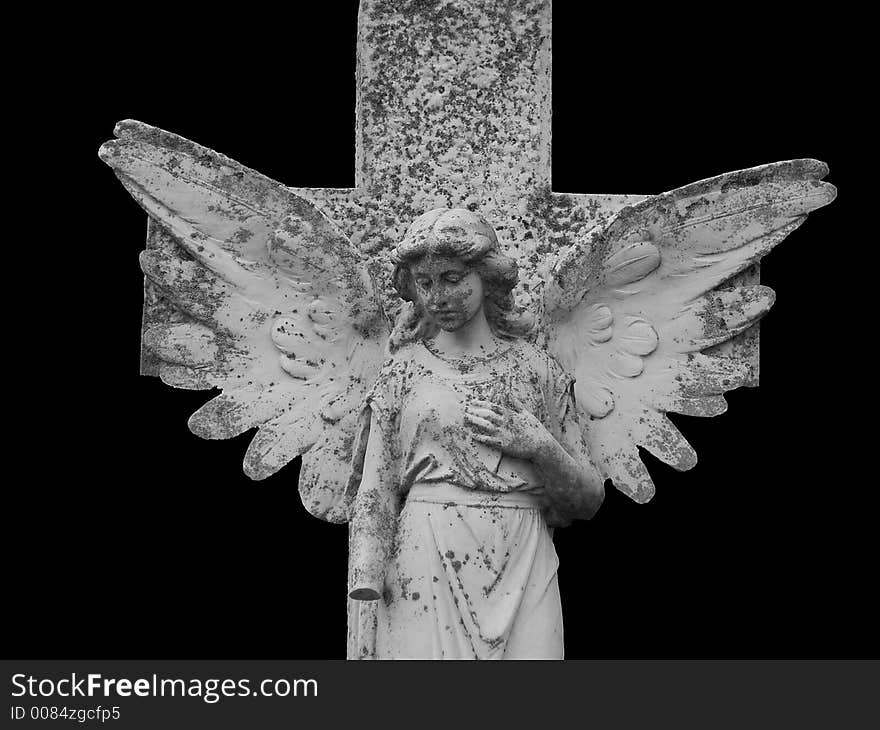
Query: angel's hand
[[514, 431]]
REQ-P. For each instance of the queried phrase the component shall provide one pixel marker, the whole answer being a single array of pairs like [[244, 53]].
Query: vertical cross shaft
[[454, 109], [453, 102]]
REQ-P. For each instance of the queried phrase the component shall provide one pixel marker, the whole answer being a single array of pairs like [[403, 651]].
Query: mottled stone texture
[[158, 309], [453, 109], [454, 101]]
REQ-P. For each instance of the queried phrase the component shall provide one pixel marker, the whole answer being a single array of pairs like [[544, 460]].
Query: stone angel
[[452, 429]]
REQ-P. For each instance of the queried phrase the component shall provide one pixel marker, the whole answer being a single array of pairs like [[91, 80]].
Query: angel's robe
[[467, 568]]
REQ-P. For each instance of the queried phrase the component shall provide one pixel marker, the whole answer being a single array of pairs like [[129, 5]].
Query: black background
[[130, 537]]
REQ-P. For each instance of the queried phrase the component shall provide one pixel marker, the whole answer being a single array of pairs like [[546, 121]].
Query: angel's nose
[[439, 295]]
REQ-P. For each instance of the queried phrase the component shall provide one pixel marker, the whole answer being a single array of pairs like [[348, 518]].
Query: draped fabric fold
[[469, 569]]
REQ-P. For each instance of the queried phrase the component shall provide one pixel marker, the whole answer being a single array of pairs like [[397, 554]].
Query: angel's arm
[[574, 486], [373, 520]]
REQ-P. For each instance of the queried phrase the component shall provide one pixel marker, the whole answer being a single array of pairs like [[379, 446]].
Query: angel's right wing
[[637, 312], [276, 308]]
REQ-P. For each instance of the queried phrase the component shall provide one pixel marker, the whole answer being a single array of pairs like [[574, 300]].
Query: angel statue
[[451, 427]]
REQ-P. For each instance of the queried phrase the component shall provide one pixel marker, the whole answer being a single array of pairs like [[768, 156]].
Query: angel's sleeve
[[562, 413], [567, 426], [376, 504]]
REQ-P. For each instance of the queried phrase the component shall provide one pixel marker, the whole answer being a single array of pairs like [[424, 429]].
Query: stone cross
[[454, 109]]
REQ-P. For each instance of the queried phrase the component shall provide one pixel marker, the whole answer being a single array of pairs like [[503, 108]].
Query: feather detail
[[629, 474], [711, 405], [699, 375], [716, 317], [191, 287], [632, 263], [665, 442], [279, 441], [712, 216], [184, 344], [325, 475], [597, 324], [180, 376], [236, 411], [593, 397]]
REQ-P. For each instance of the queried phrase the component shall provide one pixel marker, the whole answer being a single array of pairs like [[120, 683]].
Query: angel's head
[[450, 267]]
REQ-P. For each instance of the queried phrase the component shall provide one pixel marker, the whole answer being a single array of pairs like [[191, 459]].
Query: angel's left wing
[[274, 305], [636, 311]]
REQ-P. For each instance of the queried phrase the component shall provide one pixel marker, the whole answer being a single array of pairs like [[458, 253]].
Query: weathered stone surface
[[285, 299]]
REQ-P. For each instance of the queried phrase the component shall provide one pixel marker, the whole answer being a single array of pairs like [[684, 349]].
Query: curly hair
[[463, 234]]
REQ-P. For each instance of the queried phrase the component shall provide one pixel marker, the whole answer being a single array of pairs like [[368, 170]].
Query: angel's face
[[449, 289]]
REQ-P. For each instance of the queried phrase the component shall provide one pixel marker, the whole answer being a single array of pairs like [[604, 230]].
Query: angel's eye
[[453, 278]]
